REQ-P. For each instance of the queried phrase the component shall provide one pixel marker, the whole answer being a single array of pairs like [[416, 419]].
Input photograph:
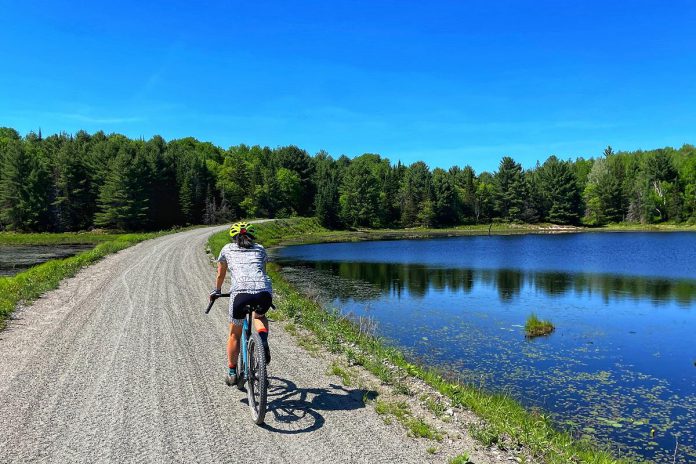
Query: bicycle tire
[[240, 371], [257, 383]]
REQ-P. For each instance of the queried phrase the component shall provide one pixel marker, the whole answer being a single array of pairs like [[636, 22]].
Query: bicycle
[[251, 364]]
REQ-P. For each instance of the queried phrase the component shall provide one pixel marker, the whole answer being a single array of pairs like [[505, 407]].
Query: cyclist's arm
[[221, 273]]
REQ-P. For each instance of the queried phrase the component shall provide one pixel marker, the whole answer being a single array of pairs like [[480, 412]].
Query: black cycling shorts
[[260, 301]]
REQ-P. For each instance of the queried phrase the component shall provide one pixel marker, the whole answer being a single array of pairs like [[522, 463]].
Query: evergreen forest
[[83, 181]]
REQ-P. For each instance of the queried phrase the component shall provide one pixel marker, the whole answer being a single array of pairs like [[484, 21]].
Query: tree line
[[76, 182], [419, 279]]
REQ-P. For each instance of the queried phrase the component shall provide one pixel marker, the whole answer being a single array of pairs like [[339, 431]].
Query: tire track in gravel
[[119, 364]]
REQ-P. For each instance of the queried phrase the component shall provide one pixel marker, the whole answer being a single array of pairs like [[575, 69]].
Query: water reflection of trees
[[419, 279]]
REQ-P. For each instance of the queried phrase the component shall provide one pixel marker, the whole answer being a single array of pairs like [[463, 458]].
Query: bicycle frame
[[260, 375], [246, 333]]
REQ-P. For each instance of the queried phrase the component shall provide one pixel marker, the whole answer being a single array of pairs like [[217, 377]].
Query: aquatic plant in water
[[535, 327]]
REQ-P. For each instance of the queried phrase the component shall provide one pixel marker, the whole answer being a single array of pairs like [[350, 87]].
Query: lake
[[621, 362], [17, 258]]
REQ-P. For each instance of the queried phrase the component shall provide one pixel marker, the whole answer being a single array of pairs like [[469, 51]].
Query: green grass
[[420, 429], [400, 411], [435, 406], [460, 459], [346, 377], [65, 238], [484, 434], [279, 231], [535, 327], [638, 227], [291, 329], [32, 283], [506, 420]]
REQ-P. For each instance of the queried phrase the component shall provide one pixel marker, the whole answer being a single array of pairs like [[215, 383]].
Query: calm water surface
[[621, 361], [17, 258]]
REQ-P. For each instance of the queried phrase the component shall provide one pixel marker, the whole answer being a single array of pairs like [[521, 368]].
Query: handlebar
[[215, 297]]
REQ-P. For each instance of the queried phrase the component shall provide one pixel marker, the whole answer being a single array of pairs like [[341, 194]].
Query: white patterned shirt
[[247, 268]]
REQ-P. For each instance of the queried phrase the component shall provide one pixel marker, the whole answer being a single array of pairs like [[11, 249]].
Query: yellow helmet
[[243, 228]]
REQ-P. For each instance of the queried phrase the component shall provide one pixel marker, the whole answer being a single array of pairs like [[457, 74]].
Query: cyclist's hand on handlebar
[[214, 294]]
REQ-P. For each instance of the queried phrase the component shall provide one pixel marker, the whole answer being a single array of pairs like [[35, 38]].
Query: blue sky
[[447, 82]]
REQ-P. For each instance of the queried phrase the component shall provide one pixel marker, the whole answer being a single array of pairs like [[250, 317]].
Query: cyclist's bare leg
[[260, 322], [261, 325], [233, 344]]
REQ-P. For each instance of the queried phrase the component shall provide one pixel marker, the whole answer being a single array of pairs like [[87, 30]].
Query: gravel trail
[[120, 364]]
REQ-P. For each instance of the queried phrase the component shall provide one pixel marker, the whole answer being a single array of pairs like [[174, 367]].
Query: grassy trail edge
[[507, 422]]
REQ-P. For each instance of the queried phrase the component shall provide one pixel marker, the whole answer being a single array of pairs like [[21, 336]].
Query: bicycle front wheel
[[257, 383]]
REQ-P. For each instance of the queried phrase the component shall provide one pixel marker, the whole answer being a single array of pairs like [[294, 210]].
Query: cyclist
[[246, 261]]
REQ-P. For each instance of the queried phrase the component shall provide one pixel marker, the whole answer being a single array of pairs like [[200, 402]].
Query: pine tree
[[186, 201], [465, 184], [510, 190], [326, 200], [416, 189], [359, 199], [75, 196], [24, 188], [15, 212], [446, 199], [162, 190], [558, 189], [389, 201], [122, 201]]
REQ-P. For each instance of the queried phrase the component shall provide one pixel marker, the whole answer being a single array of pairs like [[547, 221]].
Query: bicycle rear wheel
[[240, 371], [257, 383]]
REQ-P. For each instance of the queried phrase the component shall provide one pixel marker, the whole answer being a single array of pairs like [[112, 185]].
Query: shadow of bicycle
[[293, 410]]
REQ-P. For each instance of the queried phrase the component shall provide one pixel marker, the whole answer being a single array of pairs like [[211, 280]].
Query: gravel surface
[[120, 364]]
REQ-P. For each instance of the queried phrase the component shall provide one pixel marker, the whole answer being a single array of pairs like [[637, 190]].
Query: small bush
[[535, 327]]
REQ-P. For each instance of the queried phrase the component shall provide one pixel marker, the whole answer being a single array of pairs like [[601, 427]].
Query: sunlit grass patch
[[310, 346], [291, 328], [400, 410], [63, 238], [484, 435], [535, 327], [344, 374], [435, 406], [460, 459]]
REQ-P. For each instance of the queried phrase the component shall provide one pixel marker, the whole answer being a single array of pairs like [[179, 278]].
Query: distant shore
[[305, 231]]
